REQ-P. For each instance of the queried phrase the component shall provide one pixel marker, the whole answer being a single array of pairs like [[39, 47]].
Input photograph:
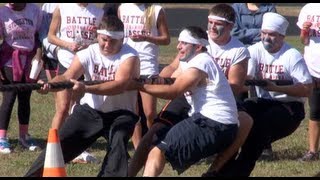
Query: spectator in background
[[111, 9], [19, 25], [146, 28], [249, 20], [310, 37], [247, 29], [49, 50]]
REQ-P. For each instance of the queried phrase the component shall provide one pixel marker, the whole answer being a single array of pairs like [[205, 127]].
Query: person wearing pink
[[19, 25]]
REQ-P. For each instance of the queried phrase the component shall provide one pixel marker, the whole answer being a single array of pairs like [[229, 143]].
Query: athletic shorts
[[314, 101], [50, 64], [195, 138], [62, 69]]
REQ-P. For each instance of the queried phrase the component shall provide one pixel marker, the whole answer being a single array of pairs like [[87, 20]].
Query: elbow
[[306, 90], [167, 41], [309, 91], [50, 39]]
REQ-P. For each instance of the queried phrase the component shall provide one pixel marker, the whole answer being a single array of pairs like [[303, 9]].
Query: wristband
[[304, 32]]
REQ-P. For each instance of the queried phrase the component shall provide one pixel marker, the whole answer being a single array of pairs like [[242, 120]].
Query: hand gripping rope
[[152, 80]]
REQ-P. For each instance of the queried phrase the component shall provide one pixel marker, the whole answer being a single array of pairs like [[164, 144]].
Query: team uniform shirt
[[18, 28], [78, 24], [100, 67], [228, 55], [47, 11], [133, 18], [311, 13], [286, 64], [214, 100]]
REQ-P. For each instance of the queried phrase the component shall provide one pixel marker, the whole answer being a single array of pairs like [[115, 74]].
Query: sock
[[3, 133], [23, 130]]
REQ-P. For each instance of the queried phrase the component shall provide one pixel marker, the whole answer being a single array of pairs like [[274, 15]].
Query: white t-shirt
[[310, 12], [133, 18], [228, 55], [100, 67], [286, 64], [77, 24], [214, 100]]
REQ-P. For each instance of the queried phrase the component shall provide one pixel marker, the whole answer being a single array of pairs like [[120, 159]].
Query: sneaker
[[28, 143], [267, 154], [4, 146], [310, 156], [85, 158]]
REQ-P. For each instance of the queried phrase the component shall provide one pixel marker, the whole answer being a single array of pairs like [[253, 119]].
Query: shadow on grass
[[101, 143], [17, 147]]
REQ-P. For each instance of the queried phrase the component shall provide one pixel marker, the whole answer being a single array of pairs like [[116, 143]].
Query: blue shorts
[[195, 138]]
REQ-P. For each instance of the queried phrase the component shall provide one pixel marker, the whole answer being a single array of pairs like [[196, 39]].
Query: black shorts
[[174, 111], [314, 101], [62, 69], [50, 64]]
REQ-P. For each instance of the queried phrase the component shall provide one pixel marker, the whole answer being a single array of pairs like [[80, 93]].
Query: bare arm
[[188, 79], [164, 37], [171, 68], [54, 28], [299, 90], [304, 33], [237, 75]]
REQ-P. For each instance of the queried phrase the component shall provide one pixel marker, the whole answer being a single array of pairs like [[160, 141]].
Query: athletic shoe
[[310, 156], [85, 158], [267, 154], [5, 146], [28, 143]]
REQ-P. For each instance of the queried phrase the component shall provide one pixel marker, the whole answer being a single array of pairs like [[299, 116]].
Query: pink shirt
[[18, 28]]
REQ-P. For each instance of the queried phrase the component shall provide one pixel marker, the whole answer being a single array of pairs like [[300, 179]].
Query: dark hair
[[111, 9], [223, 10], [197, 32], [111, 23]]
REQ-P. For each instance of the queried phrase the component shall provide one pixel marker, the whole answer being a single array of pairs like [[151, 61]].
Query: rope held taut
[[153, 80], [36, 86]]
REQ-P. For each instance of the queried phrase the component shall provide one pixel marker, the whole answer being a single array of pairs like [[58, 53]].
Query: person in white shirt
[[105, 110], [73, 28], [213, 119], [310, 37], [277, 110]]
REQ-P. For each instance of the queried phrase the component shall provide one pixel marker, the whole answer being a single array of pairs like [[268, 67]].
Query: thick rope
[[152, 80]]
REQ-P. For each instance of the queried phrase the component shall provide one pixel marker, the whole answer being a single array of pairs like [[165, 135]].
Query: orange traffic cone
[[54, 165]]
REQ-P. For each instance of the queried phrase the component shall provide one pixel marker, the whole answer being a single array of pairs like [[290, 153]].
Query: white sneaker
[[28, 143], [5, 146], [85, 158]]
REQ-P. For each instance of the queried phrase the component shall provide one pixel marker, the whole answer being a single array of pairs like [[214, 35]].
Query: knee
[[155, 155]]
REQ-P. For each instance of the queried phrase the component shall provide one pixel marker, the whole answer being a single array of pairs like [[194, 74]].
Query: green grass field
[[285, 163]]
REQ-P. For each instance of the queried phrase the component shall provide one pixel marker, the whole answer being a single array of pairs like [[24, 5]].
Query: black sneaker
[[310, 156], [267, 154]]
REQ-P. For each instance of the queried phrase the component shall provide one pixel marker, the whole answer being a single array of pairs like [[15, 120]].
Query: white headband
[[186, 36], [219, 18], [112, 34]]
